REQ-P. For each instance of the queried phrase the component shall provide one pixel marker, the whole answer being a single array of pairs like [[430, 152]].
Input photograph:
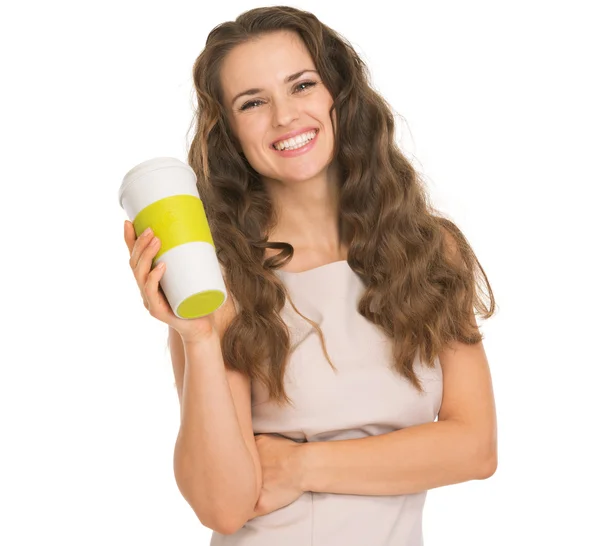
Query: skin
[[304, 191], [302, 188]]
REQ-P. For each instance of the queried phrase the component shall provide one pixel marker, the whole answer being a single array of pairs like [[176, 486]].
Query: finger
[[152, 287], [144, 264], [129, 235], [139, 247]]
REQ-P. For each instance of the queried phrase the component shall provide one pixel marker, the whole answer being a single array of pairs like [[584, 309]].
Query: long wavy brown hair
[[421, 275]]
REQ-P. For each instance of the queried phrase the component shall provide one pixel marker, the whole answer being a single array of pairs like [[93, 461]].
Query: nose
[[285, 111]]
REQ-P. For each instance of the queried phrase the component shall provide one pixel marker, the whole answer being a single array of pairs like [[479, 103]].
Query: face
[[276, 105]]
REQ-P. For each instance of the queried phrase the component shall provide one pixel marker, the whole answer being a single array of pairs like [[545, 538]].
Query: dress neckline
[[317, 269]]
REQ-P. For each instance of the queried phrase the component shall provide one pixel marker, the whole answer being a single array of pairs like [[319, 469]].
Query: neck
[[307, 213]]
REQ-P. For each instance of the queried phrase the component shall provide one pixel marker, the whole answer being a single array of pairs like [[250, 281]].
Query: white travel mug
[[161, 193]]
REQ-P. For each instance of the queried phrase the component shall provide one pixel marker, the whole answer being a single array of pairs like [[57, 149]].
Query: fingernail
[[146, 231]]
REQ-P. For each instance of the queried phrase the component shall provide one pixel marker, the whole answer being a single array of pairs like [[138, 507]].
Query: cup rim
[[147, 166]]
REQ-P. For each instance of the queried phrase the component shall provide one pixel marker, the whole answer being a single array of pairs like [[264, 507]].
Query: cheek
[[252, 133]]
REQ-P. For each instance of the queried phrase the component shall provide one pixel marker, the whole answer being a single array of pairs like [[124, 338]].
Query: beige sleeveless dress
[[365, 397]]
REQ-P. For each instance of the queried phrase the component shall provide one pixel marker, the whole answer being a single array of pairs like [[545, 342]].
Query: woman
[[309, 399]]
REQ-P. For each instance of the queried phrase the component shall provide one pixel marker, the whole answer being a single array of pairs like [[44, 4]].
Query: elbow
[[223, 517], [227, 516], [224, 529], [232, 524], [229, 529], [488, 468], [224, 510], [487, 463], [224, 524], [484, 453]]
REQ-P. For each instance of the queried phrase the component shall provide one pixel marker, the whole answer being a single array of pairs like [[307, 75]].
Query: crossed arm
[[460, 446]]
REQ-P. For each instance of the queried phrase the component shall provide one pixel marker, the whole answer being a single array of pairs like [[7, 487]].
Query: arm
[[216, 462], [460, 446]]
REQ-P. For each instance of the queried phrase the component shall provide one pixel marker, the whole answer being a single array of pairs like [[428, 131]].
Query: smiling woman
[[287, 109], [323, 228]]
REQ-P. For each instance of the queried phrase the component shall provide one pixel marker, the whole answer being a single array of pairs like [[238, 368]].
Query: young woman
[[309, 399]]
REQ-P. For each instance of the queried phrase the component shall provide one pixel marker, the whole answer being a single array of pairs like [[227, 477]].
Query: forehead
[[263, 61]]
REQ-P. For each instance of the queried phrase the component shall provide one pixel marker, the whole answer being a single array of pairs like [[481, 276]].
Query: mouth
[[299, 146]]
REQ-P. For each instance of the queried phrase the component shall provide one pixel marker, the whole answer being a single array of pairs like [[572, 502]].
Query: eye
[[248, 105], [309, 84]]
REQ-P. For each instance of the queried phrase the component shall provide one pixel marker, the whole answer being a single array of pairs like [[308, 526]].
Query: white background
[[499, 108]]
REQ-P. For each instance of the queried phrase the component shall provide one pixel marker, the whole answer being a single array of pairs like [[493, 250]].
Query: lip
[[298, 151], [294, 133]]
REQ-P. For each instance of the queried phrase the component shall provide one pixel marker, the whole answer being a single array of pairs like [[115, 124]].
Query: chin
[[301, 176]]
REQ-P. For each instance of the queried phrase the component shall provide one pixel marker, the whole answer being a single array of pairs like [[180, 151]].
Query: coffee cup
[[161, 193]]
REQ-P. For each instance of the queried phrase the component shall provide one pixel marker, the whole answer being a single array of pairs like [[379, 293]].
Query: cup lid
[[148, 166]]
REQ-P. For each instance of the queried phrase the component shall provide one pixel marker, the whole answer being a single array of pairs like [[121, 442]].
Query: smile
[[295, 142], [297, 145]]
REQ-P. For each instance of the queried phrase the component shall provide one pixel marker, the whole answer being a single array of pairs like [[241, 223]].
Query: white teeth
[[295, 142]]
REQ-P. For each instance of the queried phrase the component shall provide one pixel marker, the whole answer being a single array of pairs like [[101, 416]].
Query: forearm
[[397, 463], [213, 467]]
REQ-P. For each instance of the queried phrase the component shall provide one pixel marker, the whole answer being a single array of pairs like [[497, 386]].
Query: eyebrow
[[288, 79]]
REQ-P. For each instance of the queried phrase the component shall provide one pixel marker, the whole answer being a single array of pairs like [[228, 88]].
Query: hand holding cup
[[142, 251], [161, 195]]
